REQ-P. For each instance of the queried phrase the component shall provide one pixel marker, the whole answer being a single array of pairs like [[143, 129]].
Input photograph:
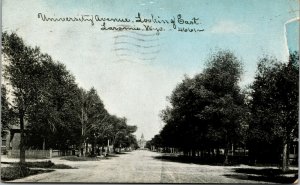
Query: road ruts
[[139, 166]]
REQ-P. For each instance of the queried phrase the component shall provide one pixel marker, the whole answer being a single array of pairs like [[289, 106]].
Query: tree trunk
[[108, 146], [101, 150], [86, 148], [81, 149], [93, 148], [226, 154], [218, 152], [44, 144], [285, 157], [81, 153], [288, 155], [193, 153], [22, 139]]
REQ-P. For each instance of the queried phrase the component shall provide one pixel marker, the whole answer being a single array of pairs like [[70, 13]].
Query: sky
[[135, 71]]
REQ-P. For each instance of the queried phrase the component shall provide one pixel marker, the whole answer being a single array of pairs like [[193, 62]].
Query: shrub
[[17, 171], [41, 164], [14, 172], [61, 166], [74, 158]]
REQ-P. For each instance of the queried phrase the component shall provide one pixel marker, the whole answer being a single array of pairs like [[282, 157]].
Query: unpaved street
[[138, 166]]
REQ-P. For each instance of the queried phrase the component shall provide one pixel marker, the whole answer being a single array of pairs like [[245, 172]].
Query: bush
[[75, 158], [47, 164], [41, 164], [15, 172], [18, 171], [4, 152], [61, 166]]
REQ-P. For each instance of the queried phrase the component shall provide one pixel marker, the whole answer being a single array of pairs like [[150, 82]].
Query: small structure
[[10, 139], [142, 142], [11, 146]]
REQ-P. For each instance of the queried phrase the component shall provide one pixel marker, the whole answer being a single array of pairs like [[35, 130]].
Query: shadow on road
[[121, 153], [111, 155], [116, 154], [267, 175], [191, 160]]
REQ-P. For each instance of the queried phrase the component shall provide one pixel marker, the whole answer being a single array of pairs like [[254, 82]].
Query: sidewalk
[[4, 158], [56, 160]]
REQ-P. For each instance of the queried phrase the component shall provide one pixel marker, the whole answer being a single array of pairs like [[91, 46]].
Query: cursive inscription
[[152, 23]]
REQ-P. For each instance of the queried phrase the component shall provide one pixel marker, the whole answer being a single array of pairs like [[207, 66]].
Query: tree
[[207, 110], [7, 116], [183, 128], [156, 142], [274, 104], [227, 107], [49, 103], [121, 132], [130, 141], [94, 116], [98, 125], [53, 118], [24, 74]]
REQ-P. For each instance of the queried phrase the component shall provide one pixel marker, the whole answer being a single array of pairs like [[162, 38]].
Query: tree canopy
[[210, 111], [48, 103]]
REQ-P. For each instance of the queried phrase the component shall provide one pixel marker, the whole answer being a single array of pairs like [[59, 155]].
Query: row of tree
[[210, 111], [42, 97]]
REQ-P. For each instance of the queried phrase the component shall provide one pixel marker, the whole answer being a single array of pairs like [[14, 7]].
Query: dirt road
[[139, 166]]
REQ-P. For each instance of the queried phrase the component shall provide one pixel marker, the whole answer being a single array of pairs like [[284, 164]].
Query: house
[[11, 140]]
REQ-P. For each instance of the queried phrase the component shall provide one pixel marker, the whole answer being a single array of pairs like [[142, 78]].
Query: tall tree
[[206, 110], [53, 119], [24, 73], [225, 112], [47, 100], [275, 103], [7, 116], [94, 116]]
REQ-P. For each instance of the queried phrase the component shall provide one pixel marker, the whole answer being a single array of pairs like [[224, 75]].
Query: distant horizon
[[134, 81]]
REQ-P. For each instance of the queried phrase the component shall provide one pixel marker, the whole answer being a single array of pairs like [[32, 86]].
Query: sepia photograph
[[150, 91]]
